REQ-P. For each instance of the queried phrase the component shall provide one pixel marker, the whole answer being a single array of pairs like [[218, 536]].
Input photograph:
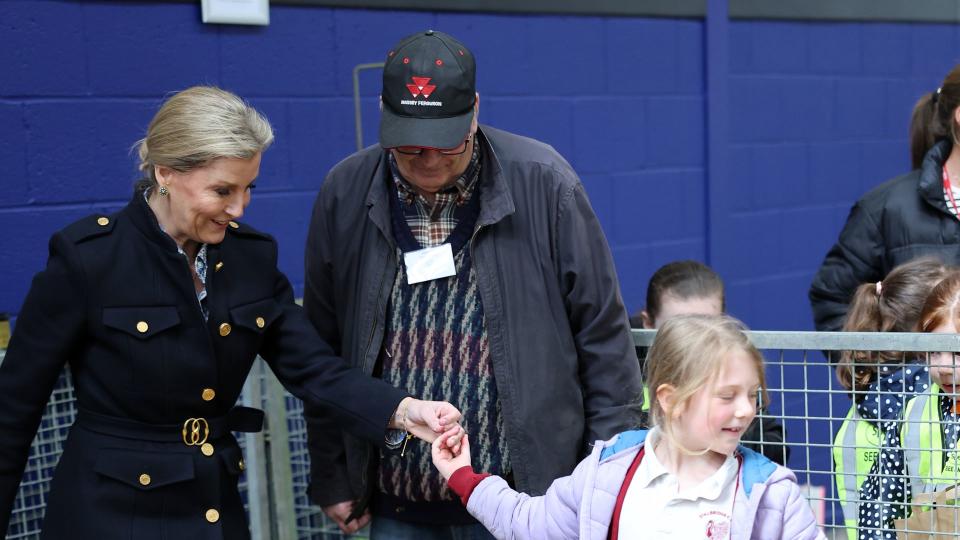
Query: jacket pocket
[[144, 471], [256, 316], [141, 322], [232, 458]]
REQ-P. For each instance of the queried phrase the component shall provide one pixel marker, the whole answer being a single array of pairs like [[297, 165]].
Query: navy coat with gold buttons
[[151, 455]]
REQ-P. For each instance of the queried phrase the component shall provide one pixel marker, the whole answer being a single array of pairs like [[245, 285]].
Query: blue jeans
[[382, 528]]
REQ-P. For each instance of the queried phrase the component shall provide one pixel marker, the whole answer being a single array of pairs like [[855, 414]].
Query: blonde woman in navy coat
[[160, 310]]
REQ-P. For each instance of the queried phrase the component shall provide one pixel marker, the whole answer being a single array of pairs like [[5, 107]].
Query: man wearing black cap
[[462, 263]]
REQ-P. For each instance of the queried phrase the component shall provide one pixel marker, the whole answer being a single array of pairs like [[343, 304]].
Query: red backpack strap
[[615, 521]]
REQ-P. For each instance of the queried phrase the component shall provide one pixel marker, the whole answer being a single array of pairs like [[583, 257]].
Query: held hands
[[426, 420], [447, 458], [433, 421]]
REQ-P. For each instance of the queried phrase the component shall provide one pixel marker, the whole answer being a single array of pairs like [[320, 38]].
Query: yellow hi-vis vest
[[855, 449], [922, 441], [646, 399]]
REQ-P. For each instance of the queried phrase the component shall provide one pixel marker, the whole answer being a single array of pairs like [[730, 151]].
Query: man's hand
[[428, 419], [445, 459], [339, 513]]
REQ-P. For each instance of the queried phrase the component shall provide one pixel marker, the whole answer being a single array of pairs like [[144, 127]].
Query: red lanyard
[[949, 191]]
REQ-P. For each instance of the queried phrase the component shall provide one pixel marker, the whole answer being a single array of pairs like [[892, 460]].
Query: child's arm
[[507, 514], [798, 520], [454, 466]]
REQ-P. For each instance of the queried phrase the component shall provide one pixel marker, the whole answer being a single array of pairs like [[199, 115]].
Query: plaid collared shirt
[[431, 224]]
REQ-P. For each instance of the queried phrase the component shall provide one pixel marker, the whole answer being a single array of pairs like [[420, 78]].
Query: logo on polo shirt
[[716, 525], [421, 87], [718, 530]]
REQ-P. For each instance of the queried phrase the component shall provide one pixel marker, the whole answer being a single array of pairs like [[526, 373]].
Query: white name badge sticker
[[429, 263]]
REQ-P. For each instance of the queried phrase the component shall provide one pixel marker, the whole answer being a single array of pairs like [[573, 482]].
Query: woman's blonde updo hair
[[198, 125], [688, 354]]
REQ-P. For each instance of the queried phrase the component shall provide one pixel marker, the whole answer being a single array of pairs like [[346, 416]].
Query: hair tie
[[879, 288]]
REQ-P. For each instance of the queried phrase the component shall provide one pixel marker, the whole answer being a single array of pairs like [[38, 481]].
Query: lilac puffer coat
[[769, 504]]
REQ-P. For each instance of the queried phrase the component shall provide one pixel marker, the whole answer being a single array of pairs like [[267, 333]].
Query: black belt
[[192, 432]]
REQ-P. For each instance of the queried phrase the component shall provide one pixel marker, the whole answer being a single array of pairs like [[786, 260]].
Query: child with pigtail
[[880, 382]]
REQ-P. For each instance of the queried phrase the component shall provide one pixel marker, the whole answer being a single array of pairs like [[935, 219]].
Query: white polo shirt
[[654, 507]]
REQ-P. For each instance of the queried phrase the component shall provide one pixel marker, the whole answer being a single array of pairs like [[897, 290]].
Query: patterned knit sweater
[[436, 347]]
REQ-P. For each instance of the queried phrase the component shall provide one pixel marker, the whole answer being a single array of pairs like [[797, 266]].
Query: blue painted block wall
[[818, 115], [622, 99]]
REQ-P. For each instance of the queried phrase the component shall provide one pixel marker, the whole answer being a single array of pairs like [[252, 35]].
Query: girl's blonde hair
[[198, 125], [688, 354]]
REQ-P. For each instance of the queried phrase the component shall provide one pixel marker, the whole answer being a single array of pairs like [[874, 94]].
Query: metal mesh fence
[[27, 515], [276, 506], [805, 397]]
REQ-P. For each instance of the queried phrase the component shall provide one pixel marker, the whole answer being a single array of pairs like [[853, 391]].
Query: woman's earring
[[163, 191]]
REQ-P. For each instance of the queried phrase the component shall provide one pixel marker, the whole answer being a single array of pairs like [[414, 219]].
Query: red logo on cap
[[421, 86]]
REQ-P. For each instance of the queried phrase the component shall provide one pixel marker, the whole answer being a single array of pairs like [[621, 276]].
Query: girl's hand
[[445, 459], [427, 419]]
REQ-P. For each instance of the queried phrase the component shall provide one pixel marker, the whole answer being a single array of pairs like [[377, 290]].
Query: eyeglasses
[[417, 150]]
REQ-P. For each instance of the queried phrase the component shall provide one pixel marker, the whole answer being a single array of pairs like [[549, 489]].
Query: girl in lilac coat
[[685, 478]]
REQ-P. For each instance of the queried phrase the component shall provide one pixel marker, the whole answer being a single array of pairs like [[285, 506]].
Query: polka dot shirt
[[886, 488]]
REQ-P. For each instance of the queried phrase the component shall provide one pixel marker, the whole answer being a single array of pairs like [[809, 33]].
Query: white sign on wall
[[236, 11]]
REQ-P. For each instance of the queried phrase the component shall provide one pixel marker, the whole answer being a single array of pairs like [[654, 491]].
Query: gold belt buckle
[[192, 436]]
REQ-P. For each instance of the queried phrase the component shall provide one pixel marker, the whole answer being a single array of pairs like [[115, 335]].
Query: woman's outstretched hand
[[426, 420]]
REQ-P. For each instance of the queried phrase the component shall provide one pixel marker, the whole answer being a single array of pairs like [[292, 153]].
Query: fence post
[[280, 477], [258, 477]]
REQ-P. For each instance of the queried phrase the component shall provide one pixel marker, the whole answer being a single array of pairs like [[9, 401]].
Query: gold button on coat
[[212, 515], [218, 266], [144, 479], [234, 225], [225, 329], [206, 449], [208, 394], [142, 327], [242, 465], [103, 221], [261, 322]]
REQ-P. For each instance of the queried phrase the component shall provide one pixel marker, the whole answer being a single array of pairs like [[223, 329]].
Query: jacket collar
[[626, 440], [496, 202], [931, 175], [755, 469], [378, 205], [146, 222]]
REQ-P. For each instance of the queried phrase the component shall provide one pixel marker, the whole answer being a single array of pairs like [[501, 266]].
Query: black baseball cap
[[429, 90]]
